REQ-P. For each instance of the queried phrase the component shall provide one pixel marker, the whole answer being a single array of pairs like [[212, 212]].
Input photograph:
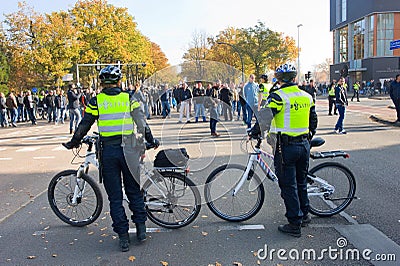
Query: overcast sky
[[171, 24]]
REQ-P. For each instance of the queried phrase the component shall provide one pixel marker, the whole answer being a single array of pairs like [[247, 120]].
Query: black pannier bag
[[171, 158]]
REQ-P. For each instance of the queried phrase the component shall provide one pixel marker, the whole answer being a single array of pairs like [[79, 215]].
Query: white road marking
[[43, 157], [28, 149], [3, 149], [151, 230], [59, 148], [242, 227], [5, 159]]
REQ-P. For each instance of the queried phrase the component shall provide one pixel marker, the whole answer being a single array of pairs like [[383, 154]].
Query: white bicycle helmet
[[286, 73]]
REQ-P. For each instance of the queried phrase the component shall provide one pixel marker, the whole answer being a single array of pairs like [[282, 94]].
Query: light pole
[[240, 56], [298, 51]]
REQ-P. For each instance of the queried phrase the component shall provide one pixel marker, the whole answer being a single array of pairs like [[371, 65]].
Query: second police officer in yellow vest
[[116, 111], [294, 122]]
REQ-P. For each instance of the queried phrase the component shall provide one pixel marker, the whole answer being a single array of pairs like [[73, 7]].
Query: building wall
[[396, 33], [357, 9], [374, 67]]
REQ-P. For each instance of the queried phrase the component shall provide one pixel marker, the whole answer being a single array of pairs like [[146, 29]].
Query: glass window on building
[[384, 34], [370, 36], [343, 45], [358, 39], [341, 10]]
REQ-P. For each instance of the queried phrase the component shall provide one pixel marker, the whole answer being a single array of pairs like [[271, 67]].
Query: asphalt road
[[32, 235]]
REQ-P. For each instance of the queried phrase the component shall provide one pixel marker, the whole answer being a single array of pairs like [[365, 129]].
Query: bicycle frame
[[257, 158], [90, 158]]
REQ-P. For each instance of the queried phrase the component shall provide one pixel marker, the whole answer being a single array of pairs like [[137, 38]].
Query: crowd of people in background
[[195, 102]]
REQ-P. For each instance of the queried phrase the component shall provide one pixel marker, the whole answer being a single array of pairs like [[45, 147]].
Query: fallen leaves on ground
[[132, 258], [31, 257], [204, 233], [164, 263], [54, 255], [237, 263]]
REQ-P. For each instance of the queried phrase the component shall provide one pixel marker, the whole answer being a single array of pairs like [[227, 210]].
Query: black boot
[[124, 242], [141, 231], [306, 220], [290, 229]]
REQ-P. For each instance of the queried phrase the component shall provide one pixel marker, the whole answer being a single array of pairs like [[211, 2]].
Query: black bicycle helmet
[[110, 74], [286, 73], [264, 77]]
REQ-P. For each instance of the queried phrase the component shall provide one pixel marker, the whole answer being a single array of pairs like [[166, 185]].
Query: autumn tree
[[19, 42], [4, 65], [56, 47], [160, 61]]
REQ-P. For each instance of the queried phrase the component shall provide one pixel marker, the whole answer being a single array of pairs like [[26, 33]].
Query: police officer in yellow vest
[[115, 111], [263, 92], [294, 123], [332, 98], [356, 88]]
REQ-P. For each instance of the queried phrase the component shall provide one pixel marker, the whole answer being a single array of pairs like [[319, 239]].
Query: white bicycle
[[236, 193], [172, 200]]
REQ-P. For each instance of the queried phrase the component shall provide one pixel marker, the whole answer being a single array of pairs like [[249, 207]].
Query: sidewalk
[[385, 116]]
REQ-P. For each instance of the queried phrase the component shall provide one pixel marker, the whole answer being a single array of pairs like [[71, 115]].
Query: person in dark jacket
[[73, 108], [394, 92], [185, 97], [30, 103], [51, 106], [61, 104], [198, 97], [341, 103], [225, 95], [3, 111]]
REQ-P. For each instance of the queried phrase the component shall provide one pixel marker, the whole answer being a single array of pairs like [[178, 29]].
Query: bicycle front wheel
[[238, 206], [172, 199], [332, 202], [76, 201]]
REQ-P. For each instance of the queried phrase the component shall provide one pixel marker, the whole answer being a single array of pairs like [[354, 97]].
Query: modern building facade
[[362, 32]]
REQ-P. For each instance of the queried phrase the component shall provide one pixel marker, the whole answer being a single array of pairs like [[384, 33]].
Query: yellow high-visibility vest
[[113, 113], [266, 87], [293, 114]]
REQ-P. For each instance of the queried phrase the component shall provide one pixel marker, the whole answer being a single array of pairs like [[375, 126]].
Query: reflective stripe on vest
[[293, 117], [114, 115]]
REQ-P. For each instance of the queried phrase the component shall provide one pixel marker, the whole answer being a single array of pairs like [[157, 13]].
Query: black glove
[[311, 135], [71, 144], [156, 143]]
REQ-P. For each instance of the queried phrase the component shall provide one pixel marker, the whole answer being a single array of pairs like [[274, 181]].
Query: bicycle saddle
[[316, 142]]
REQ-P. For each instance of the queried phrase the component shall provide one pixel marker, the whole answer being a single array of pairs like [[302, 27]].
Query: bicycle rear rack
[[329, 154]]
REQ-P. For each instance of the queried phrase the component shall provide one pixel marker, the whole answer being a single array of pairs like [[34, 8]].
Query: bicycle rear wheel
[[338, 176], [172, 199], [89, 201], [218, 192]]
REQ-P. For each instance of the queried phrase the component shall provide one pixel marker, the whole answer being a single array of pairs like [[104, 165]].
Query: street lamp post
[[240, 56], [298, 50]]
